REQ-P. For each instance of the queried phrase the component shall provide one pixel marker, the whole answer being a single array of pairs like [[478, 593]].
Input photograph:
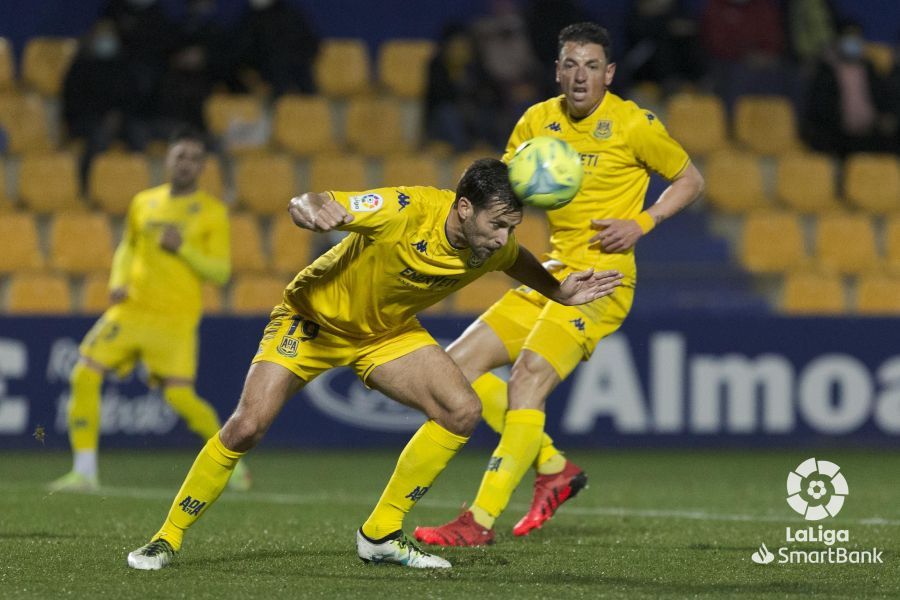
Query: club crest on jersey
[[603, 130], [288, 347], [474, 262], [366, 203]]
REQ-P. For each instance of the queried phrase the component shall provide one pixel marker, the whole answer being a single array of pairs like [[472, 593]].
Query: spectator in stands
[[849, 107], [811, 28], [278, 41], [545, 19]]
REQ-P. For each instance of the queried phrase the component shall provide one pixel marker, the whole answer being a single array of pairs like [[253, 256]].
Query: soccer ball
[[545, 172]]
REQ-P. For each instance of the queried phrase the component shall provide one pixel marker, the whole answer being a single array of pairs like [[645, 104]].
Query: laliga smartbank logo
[[816, 489]]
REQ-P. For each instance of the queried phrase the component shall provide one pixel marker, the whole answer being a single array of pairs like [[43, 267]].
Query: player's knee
[[242, 432], [84, 376], [464, 417], [532, 377]]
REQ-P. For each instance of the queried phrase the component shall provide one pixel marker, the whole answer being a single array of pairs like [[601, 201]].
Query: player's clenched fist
[[318, 212]]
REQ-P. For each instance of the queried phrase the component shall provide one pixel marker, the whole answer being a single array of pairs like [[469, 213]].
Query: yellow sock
[[84, 408], [423, 459], [518, 447], [202, 486], [493, 394], [200, 416]]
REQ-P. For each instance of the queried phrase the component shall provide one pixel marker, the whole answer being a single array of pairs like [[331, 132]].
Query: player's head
[[486, 206], [185, 159], [584, 67]]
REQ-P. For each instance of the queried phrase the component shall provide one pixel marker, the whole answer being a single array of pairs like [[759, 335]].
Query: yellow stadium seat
[[809, 293], [303, 125], [246, 244], [872, 182], [115, 178], [95, 294], [881, 56], [39, 293], [80, 242], [21, 244], [892, 244], [342, 67], [462, 161], [734, 182], [45, 62], [211, 297], [343, 172], [375, 127], [878, 294], [697, 122], [772, 242], [534, 233], [765, 124], [5, 201], [23, 118], [211, 178], [256, 294], [292, 247], [265, 183], [49, 182], [411, 170], [403, 66], [845, 243], [476, 297], [237, 118], [7, 68], [806, 182]]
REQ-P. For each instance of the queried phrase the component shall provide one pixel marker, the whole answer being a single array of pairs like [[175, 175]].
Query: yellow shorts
[[124, 335], [308, 350], [563, 335]]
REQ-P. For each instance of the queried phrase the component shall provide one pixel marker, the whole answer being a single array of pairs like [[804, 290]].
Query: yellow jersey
[[163, 282], [396, 261], [620, 143]]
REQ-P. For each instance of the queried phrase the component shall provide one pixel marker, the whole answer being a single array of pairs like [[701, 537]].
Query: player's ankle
[[554, 464], [483, 517]]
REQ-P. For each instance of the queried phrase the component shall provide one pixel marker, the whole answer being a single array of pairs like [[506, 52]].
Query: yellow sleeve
[[212, 261], [654, 147], [522, 132], [124, 255], [373, 210]]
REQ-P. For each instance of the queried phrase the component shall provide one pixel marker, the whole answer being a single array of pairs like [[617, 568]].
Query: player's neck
[[453, 230], [185, 190], [588, 113]]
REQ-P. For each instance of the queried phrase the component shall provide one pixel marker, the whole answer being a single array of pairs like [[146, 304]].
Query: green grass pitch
[[652, 524]]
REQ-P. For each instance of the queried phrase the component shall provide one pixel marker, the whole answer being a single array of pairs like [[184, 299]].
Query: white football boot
[[399, 550]]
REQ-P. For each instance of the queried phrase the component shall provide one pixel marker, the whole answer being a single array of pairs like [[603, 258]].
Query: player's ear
[[610, 73], [464, 207], [556, 69]]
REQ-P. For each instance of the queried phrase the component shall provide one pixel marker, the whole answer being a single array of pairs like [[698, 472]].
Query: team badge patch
[[366, 203], [603, 130], [288, 347]]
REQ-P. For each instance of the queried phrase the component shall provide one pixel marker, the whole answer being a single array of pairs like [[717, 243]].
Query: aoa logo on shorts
[[366, 203], [288, 346]]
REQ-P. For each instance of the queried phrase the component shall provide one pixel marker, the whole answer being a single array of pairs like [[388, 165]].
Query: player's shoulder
[[550, 108], [423, 198], [629, 112], [211, 203], [154, 193]]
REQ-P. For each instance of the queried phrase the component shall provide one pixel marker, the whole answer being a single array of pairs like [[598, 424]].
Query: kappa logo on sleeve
[[366, 203]]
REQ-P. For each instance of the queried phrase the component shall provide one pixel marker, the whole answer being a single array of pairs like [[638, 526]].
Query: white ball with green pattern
[[545, 172]]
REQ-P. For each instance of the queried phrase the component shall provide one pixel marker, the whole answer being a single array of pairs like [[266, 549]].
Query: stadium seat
[[765, 124], [115, 178], [462, 161], [476, 297], [697, 122], [24, 119], [21, 244], [809, 293], [806, 182], [303, 125], [845, 243], [292, 247], [237, 119], [534, 233], [7, 66], [265, 183], [892, 244], [734, 182], [872, 182], [95, 294], [256, 294], [375, 127], [80, 242], [39, 293], [5, 200], [246, 244], [344, 172], [45, 62], [211, 178], [403, 66], [211, 296], [342, 67], [411, 170], [878, 294], [881, 55], [48, 183], [772, 242]]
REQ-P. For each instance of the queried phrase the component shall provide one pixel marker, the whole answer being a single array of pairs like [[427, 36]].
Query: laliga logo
[[816, 489]]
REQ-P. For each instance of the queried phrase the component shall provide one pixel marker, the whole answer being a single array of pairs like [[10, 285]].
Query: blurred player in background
[[356, 305], [176, 236], [620, 144]]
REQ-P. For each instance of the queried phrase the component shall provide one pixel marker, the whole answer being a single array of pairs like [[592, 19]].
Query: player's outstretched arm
[[318, 212], [576, 288]]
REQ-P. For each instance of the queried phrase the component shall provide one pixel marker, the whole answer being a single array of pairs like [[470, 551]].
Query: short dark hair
[[586, 33], [189, 134], [485, 182]]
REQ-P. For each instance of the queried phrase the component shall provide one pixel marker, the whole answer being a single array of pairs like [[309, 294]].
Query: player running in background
[[356, 305], [620, 144], [176, 236]]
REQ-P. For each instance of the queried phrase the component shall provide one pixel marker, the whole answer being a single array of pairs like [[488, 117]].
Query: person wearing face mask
[[848, 108]]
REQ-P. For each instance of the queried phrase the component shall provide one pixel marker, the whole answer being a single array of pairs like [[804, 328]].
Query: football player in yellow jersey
[[620, 144], [175, 237], [356, 305]]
